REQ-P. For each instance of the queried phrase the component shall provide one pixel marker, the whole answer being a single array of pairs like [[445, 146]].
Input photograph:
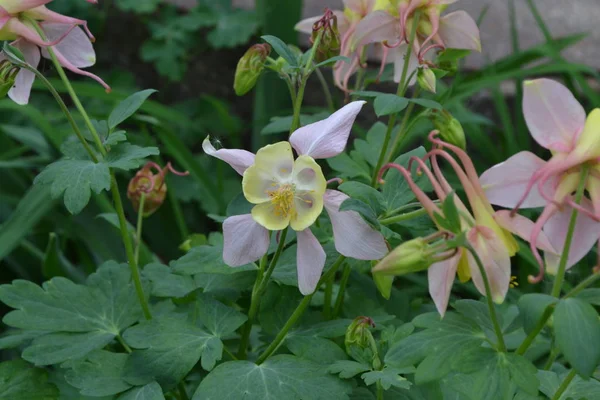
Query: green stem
[[327, 298], [403, 125], [182, 393], [298, 313], [551, 357], [339, 301], [403, 217], [70, 90], [135, 272], [122, 342], [564, 385], [326, 91], [229, 353], [400, 92], [560, 276], [536, 330], [488, 297], [138, 232], [583, 284], [66, 111], [303, 80], [178, 214], [379, 391], [273, 263]]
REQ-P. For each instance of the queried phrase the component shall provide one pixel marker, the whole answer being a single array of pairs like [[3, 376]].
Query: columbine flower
[[347, 21], [558, 123], [73, 47], [288, 192], [392, 27], [489, 232]]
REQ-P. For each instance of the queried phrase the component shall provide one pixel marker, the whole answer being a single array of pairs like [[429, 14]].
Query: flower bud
[[411, 256], [451, 130], [330, 43], [151, 186], [360, 343], [8, 74], [250, 67], [426, 79]]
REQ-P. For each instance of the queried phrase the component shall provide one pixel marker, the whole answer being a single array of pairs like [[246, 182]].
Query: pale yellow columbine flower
[[286, 192]]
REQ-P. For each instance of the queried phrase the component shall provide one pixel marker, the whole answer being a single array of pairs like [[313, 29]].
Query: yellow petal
[[273, 165], [588, 144], [267, 216], [308, 176], [308, 208], [464, 271]]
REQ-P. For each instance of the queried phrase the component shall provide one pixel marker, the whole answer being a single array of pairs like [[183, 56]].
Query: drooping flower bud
[[151, 186], [411, 256], [8, 74], [426, 79], [360, 343], [451, 130], [330, 43], [250, 67]]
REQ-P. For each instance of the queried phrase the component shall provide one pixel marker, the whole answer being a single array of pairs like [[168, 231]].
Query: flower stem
[[339, 301], [304, 78], [298, 313], [182, 393], [122, 342], [564, 385], [379, 391], [488, 297], [583, 284], [403, 217], [135, 272], [262, 280], [560, 275], [402, 131], [138, 232], [326, 91], [400, 92], [327, 298], [536, 330]]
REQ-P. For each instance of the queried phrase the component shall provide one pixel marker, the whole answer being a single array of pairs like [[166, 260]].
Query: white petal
[[310, 261], [244, 240]]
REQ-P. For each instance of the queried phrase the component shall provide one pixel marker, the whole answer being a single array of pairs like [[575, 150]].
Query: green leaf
[[578, 389], [19, 380], [280, 377], [347, 369], [366, 194], [151, 391], [217, 318], [387, 377], [386, 104], [167, 284], [427, 103], [316, 349], [170, 349], [76, 179], [77, 318], [451, 216], [363, 209], [348, 167], [576, 326], [115, 138], [591, 296], [127, 156], [531, 308], [396, 191], [282, 49], [128, 107], [99, 374]]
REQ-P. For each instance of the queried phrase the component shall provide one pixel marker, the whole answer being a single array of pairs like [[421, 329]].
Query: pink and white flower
[[288, 192], [558, 123], [71, 44]]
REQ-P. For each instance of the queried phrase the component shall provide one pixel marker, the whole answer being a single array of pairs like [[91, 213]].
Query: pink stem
[[423, 167]]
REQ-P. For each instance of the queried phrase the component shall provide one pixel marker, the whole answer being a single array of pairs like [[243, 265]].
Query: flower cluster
[[293, 192], [32, 28]]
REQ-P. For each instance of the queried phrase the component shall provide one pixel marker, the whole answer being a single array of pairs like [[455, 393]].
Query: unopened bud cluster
[[8, 74], [330, 44], [250, 67]]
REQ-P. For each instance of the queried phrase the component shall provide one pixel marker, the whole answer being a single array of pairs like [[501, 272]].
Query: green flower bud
[[8, 74], [451, 130], [360, 343], [412, 256], [250, 67], [426, 79], [330, 43]]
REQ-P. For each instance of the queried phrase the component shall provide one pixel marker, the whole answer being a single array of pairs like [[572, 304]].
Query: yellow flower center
[[282, 199]]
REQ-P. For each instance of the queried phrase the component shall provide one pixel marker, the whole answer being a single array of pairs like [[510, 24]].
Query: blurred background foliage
[[190, 57]]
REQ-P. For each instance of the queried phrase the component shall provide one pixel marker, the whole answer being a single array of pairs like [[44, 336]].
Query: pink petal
[[586, 234], [310, 260], [505, 183], [21, 90], [459, 31], [441, 277], [244, 240], [522, 227], [398, 55], [495, 259], [352, 235], [554, 116], [239, 160], [76, 47], [18, 6], [377, 27], [326, 138]]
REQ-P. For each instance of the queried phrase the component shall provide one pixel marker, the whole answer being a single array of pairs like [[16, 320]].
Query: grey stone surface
[[564, 17]]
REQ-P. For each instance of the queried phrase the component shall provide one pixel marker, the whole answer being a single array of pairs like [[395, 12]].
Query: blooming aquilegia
[[72, 46], [558, 123], [288, 192]]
